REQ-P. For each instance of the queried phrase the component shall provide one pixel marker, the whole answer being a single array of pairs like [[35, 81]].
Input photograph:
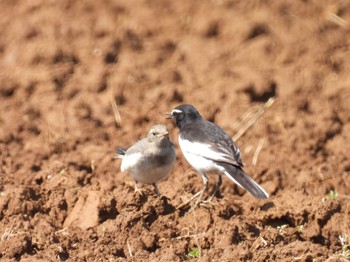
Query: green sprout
[[332, 194], [195, 253]]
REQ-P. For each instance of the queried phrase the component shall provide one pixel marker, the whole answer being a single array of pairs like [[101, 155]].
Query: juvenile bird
[[207, 147], [150, 159]]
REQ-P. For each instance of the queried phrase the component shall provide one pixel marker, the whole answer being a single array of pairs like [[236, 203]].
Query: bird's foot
[[216, 194], [139, 191]]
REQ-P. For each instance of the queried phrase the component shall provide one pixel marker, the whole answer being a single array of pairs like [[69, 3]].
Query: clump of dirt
[[63, 64]]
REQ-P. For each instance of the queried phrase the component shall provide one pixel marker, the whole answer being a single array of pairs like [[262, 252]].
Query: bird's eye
[[154, 133]]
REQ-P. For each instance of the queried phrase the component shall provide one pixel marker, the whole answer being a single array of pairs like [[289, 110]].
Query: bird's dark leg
[[216, 191], [156, 189]]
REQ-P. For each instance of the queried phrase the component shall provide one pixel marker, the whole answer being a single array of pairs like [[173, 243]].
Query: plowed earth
[[62, 63]]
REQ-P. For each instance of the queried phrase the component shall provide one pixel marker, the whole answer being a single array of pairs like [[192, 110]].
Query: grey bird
[[207, 147], [150, 160]]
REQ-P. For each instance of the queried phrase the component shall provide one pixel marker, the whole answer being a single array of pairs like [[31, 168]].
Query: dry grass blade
[[332, 14], [337, 20], [129, 248], [250, 119], [117, 117], [257, 152]]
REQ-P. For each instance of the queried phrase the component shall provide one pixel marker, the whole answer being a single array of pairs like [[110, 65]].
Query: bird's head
[[158, 133], [184, 114]]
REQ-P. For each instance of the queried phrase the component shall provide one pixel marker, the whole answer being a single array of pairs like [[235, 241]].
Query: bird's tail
[[120, 152], [238, 176]]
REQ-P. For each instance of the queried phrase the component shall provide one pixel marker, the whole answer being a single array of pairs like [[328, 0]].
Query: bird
[[149, 160], [208, 148]]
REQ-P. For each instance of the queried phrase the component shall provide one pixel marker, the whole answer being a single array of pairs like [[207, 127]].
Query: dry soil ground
[[62, 63]]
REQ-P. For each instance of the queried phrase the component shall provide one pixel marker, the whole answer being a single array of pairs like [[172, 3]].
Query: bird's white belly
[[195, 155], [201, 164]]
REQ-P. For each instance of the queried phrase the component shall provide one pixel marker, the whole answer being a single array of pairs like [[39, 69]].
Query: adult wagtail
[[207, 147]]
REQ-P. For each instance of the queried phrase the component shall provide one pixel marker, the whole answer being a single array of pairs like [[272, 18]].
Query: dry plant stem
[[129, 248], [189, 200], [253, 118], [199, 197], [117, 117], [257, 152]]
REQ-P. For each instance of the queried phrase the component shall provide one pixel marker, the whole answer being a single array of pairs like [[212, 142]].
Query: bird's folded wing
[[210, 141], [212, 151]]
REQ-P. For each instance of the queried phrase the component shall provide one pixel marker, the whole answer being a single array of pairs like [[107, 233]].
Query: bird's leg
[[219, 183], [156, 189], [216, 191], [205, 181], [199, 193]]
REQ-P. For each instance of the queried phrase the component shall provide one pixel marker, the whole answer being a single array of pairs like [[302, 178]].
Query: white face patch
[[176, 111], [129, 161]]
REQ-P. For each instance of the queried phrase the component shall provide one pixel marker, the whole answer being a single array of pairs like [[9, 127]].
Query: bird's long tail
[[120, 152], [238, 176]]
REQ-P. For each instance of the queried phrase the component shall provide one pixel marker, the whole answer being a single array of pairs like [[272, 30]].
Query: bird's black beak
[[169, 116]]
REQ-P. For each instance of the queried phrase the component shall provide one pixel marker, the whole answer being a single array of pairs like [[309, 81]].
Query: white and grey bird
[[207, 147], [150, 160]]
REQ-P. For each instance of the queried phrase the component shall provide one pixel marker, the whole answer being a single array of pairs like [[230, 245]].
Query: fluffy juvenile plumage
[[150, 160]]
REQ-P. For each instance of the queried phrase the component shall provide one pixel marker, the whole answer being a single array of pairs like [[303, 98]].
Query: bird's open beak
[[169, 116]]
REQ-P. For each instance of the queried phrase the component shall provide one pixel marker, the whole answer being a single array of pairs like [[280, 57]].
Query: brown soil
[[62, 195]]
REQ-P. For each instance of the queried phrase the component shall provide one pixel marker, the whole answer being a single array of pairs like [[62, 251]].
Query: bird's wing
[[133, 154], [120, 152], [139, 147], [208, 140]]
